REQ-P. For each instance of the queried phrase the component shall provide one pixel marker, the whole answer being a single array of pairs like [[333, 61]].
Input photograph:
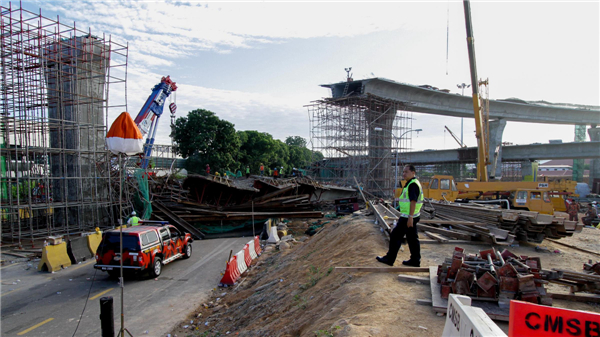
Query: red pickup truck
[[145, 247]]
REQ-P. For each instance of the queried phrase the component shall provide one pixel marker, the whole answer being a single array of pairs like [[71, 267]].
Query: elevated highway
[[426, 99], [429, 100], [586, 150]]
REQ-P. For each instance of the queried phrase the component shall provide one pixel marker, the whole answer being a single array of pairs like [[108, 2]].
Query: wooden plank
[[573, 247], [422, 301], [384, 269], [15, 254], [436, 237], [412, 278], [590, 277], [444, 232], [575, 298], [458, 242], [441, 305], [451, 222]]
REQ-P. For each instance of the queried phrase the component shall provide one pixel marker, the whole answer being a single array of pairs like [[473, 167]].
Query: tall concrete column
[[75, 77], [578, 163], [527, 173], [495, 148], [380, 177], [594, 181]]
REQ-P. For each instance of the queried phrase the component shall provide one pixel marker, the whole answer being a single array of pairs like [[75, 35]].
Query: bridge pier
[[495, 148], [594, 133]]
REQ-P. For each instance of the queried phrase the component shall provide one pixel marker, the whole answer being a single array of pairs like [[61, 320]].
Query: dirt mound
[[296, 292]]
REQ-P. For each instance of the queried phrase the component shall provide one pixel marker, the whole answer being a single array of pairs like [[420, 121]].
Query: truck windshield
[[110, 241]]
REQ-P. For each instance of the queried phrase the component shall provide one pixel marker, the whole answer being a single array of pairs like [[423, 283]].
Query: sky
[[258, 64]]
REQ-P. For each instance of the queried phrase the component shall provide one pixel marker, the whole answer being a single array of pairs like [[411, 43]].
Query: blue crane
[[147, 118]]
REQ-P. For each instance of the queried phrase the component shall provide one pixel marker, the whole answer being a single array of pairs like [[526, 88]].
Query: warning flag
[[124, 136]]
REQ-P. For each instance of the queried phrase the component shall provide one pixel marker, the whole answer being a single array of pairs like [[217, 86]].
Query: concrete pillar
[[527, 173], [380, 172], [75, 77], [578, 163], [495, 148], [594, 181]]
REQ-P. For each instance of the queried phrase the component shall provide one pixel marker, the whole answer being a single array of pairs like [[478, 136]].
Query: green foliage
[[203, 138], [300, 301], [327, 333], [256, 148], [295, 141], [314, 275]]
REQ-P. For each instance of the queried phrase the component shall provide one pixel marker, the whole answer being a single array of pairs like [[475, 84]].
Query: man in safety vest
[[134, 220], [409, 205]]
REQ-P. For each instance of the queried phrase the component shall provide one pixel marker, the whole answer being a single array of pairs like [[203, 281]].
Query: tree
[[295, 141], [203, 138], [256, 148]]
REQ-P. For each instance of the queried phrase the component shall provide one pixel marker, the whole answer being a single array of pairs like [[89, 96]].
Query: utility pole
[[462, 86]]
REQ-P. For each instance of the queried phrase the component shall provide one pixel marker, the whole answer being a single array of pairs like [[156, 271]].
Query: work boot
[[384, 259], [411, 263]]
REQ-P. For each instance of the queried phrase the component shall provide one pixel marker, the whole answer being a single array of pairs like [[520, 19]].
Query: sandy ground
[[304, 296]]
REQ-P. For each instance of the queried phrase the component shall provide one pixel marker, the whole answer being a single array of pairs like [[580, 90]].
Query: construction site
[[56, 174], [491, 228]]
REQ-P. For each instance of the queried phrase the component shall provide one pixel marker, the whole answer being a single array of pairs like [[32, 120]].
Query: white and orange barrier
[[240, 262], [257, 246], [251, 249], [247, 257], [232, 273]]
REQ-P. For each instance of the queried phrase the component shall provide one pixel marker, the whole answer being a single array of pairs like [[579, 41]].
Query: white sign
[[464, 320], [542, 185]]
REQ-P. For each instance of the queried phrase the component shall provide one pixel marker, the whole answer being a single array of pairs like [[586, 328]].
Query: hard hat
[[594, 202], [133, 213]]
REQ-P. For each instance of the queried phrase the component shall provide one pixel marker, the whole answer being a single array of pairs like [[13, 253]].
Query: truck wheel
[[188, 251], [156, 267]]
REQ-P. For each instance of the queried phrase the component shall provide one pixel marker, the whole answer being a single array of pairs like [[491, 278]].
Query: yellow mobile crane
[[482, 157], [543, 197]]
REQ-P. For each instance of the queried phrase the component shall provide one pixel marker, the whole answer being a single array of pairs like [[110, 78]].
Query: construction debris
[[447, 223], [522, 225], [213, 199], [494, 276]]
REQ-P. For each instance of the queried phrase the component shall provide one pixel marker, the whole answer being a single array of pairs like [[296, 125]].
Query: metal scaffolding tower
[[359, 136], [54, 89]]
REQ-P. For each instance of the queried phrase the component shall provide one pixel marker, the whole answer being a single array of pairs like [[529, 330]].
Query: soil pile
[[295, 291]]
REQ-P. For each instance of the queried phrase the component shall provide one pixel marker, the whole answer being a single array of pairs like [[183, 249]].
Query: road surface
[[43, 304]]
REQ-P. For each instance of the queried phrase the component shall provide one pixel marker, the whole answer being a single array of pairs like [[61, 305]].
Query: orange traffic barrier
[[257, 246], [241, 261], [247, 257], [232, 273], [252, 249]]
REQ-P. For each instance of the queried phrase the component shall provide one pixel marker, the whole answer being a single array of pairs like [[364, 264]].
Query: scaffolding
[[55, 172], [466, 170], [359, 136]]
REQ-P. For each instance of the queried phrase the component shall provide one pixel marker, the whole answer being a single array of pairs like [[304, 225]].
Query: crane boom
[[147, 118], [454, 136], [482, 161]]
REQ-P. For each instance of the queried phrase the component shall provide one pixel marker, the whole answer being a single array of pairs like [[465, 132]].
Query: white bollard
[[464, 320]]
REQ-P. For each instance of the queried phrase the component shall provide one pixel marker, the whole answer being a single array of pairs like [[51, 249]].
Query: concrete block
[[54, 257]]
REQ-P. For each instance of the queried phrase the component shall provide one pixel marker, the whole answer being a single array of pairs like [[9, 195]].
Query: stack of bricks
[[494, 276]]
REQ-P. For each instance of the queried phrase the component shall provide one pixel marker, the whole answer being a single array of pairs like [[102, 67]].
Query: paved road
[[42, 304]]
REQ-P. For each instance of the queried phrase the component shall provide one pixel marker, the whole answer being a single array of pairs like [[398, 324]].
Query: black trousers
[[397, 236]]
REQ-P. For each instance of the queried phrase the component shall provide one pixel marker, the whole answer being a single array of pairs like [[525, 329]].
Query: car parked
[[146, 247]]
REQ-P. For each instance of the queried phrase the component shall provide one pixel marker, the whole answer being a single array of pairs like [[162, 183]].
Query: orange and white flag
[[124, 136]]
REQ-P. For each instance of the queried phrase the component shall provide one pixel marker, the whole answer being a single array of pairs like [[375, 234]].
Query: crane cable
[[447, 34]]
